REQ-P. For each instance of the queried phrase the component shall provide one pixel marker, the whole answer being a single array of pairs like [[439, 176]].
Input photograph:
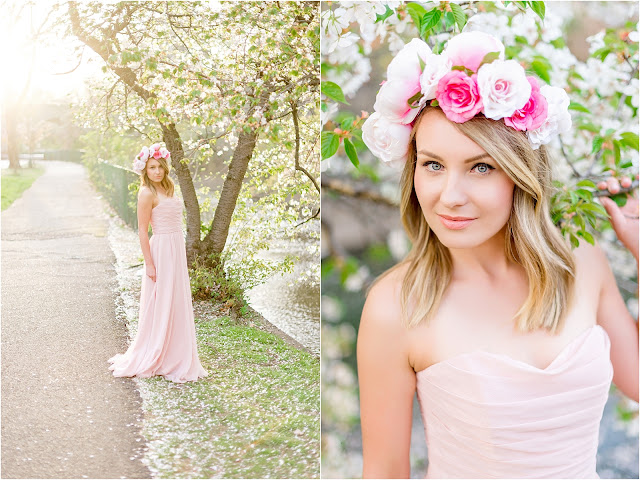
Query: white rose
[[387, 140], [139, 166], [558, 117], [504, 88], [164, 153], [406, 64], [393, 97], [436, 67]]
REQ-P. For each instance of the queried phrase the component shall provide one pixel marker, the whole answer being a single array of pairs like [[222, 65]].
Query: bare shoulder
[[145, 192], [145, 195], [589, 257], [383, 305]]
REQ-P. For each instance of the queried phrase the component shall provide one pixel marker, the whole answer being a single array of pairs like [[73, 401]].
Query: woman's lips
[[455, 223]]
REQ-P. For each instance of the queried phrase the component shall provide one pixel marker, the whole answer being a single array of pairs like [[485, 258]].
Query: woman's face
[[465, 196], [155, 172]]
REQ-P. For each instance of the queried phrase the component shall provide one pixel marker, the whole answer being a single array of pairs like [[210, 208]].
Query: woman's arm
[[145, 205], [612, 312], [387, 386]]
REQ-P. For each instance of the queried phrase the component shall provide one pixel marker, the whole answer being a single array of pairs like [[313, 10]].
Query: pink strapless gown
[[487, 415], [166, 340]]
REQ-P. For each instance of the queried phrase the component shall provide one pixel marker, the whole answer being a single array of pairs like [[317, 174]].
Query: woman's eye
[[433, 166], [482, 168]]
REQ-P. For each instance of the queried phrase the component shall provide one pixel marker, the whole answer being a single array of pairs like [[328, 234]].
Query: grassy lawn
[[257, 414], [13, 184]]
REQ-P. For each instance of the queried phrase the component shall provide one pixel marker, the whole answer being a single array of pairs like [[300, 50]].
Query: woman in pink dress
[[165, 343], [510, 338]]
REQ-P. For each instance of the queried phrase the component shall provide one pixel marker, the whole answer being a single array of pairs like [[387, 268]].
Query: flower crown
[[155, 151], [468, 78]]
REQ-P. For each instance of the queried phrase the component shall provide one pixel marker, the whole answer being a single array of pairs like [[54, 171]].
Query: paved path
[[63, 414]]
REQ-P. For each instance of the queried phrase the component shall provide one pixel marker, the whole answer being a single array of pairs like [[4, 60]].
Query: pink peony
[[468, 49], [157, 154], [533, 114], [458, 96], [392, 98]]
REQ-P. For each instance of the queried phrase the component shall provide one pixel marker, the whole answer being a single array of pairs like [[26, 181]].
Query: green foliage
[[255, 416], [351, 152], [333, 91], [330, 144], [212, 283]]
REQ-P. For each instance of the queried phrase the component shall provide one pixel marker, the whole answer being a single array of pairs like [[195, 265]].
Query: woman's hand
[[151, 272], [624, 220]]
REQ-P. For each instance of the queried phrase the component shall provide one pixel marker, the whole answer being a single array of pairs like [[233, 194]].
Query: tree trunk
[[173, 141], [215, 241], [13, 143]]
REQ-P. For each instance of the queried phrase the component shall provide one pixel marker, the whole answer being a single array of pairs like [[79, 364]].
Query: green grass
[[257, 414], [13, 184]]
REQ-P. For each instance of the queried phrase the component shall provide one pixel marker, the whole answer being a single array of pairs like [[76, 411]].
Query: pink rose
[[458, 96], [392, 98], [467, 49], [533, 114], [157, 154]]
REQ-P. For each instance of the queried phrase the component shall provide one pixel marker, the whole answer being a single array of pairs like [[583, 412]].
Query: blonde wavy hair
[[532, 240], [166, 181]]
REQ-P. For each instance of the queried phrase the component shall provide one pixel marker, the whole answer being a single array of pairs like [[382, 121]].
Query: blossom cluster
[[154, 151], [471, 76]]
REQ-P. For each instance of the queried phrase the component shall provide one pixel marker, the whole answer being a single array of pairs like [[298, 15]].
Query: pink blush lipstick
[[455, 223]]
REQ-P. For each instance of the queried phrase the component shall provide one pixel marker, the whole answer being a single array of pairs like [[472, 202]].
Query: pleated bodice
[[487, 415], [166, 217]]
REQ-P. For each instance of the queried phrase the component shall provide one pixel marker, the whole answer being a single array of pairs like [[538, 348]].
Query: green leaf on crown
[[463, 69], [412, 102], [489, 57]]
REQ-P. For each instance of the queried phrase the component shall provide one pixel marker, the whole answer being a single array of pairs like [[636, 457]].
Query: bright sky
[[44, 58]]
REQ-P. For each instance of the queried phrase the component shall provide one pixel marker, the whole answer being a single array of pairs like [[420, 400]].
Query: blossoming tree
[[208, 78]]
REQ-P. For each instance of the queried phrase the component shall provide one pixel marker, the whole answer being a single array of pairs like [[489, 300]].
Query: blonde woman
[[509, 338], [165, 343]]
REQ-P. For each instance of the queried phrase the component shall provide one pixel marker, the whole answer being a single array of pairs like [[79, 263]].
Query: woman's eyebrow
[[468, 160]]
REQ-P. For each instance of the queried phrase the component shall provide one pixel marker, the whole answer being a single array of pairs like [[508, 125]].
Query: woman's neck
[[484, 262]]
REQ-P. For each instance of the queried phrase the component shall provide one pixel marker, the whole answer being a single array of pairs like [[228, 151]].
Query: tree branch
[[343, 188], [294, 111]]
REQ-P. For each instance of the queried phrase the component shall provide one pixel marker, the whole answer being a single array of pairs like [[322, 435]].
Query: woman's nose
[[453, 192]]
